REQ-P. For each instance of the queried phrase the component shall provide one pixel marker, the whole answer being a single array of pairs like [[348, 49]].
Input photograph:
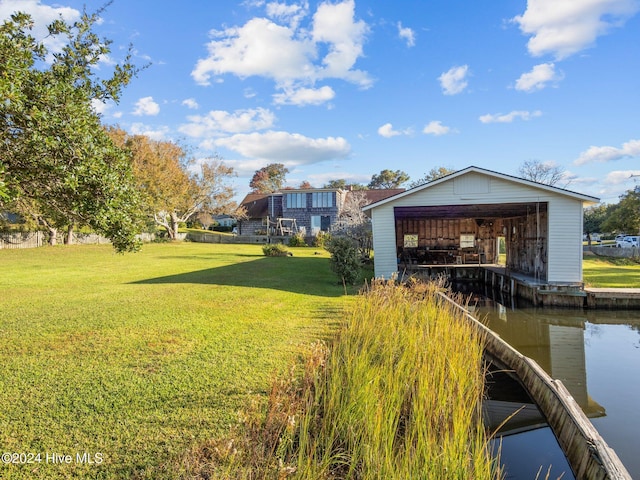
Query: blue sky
[[344, 89]]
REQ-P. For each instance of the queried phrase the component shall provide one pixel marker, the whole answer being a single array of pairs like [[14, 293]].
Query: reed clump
[[397, 396], [400, 395]]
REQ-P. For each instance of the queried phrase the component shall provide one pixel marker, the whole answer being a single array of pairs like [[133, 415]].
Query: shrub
[[275, 250], [297, 241], [321, 239], [344, 259]]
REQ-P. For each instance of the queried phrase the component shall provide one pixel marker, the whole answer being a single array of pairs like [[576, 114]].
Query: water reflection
[[596, 355]]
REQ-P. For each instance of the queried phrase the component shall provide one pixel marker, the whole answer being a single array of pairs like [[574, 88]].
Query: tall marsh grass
[[397, 396]]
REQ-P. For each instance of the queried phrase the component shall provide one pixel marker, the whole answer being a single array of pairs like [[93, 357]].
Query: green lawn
[[611, 272], [141, 357]]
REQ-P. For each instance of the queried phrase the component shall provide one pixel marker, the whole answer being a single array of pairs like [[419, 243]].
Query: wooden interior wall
[[526, 244], [443, 234]]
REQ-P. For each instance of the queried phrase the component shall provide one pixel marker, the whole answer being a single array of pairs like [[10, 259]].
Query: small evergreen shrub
[[344, 259], [275, 250]]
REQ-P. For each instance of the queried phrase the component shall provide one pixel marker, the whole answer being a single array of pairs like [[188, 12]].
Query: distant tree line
[[621, 217], [272, 178]]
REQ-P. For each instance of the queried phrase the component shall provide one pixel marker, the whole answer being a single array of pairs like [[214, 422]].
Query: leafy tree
[[4, 191], [388, 179], [172, 192], [625, 216], [344, 259], [594, 217], [343, 185], [269, 179], [305, 184], [542, 172], [59, 164], [432, 175]]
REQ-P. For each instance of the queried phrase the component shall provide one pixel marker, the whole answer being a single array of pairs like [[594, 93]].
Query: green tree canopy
[[433, 174], [60, 166], [594, 217], [269, 179], [388, 179], [340, 183], [625, 216], [343, 185]]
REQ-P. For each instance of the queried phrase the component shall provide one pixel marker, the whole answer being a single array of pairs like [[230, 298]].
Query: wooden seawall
[[588, 454]]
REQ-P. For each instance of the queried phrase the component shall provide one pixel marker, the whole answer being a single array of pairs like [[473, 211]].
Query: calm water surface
[[596, 354]]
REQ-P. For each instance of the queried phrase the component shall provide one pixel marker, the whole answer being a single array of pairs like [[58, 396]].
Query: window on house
[[296, 200], [320, 223], [321, 199]]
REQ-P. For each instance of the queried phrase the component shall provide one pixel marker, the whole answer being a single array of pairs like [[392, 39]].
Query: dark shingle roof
[[257, 204], [375, 195]]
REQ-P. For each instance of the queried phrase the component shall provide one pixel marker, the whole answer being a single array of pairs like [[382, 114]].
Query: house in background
[[224, 220], [306, 211]]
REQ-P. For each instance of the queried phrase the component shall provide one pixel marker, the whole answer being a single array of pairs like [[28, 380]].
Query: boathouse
[[462, 219]]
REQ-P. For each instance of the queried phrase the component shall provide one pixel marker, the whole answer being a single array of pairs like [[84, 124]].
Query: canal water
[[596, 355]]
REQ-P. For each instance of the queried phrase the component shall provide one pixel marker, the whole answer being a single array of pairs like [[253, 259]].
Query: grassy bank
[[400, 396], [609, 272], [142, 357], [397, 395]]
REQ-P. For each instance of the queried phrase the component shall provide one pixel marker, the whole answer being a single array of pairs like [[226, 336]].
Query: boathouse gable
[[462, 217]]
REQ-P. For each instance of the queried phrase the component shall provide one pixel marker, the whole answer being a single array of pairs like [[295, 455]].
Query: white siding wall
[[565, 240], [385, 260], [565, 219]]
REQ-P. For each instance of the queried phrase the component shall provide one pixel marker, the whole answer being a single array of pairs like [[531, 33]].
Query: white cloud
[[146, 106], [304, 96], [289, 54], [256, 49], [334, 25], [290, 14], [538, 78], [436, 128], [219, 122], [191, 103], [509, 117], [99, 106], [407, 34], [604, 154], [387, 131], [42, 16], [564, 27], [620, 177], [288, 148], [454, 80], [155, 134]]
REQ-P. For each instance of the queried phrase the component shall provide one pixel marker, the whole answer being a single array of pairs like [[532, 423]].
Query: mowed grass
[[609, 272], [141, 357]]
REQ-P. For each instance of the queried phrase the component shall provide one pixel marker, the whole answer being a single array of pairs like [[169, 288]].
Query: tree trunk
[[173, 233], [53, 236], [69, 239]]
